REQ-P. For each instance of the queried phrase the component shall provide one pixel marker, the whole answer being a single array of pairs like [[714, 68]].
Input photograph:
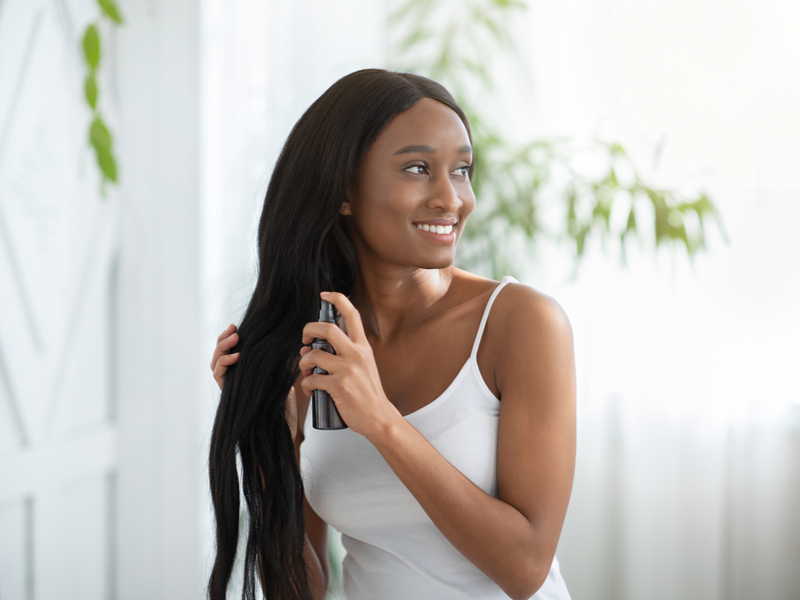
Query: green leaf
[[616, 148], [510, 4], [107, 164], [602, 210], [414, 38], [90, 90], [611, 179], [422, 7], [631, 225], [91, 46], [99, 136], [110, 9], [580, 240], [493, 27]]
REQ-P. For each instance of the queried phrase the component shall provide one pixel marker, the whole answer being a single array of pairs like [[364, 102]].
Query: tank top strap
[[477, 342]]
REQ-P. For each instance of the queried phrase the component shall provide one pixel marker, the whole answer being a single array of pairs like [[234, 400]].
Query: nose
[[444, 195]]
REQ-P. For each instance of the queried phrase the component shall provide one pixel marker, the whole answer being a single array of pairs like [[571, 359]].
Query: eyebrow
[[429, 149]]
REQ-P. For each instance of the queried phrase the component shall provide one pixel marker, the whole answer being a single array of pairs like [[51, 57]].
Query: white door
[[58, 249]]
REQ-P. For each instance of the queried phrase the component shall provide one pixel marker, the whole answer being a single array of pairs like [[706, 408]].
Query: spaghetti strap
[[477, 342]]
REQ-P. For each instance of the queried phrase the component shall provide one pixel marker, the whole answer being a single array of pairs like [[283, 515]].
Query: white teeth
[[443, 229]]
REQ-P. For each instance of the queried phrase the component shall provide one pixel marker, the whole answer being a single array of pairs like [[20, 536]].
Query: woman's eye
[[416, 169], [463, 171]]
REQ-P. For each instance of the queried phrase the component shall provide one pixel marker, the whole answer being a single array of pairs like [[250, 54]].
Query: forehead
[[428, 122]]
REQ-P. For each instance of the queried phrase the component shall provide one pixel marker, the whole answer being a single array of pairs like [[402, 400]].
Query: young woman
[[453, 478]]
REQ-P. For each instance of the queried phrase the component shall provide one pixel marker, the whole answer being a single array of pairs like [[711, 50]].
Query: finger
[[303, 351], [327, 331], [222, 365], [231, 328], [229, 359], [223, 347], [320, 358], [225, 361], [315, 381], [355, 328]]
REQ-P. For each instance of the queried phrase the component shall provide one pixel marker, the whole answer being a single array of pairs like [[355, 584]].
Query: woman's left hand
[[352, 380]]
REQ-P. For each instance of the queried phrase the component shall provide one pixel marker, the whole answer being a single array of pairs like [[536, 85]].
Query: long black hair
[[302, 250]]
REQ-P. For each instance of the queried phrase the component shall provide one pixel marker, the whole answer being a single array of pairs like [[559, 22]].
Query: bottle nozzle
[[327, 314]]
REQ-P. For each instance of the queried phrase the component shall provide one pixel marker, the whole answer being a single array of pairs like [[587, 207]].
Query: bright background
[[688, 474]]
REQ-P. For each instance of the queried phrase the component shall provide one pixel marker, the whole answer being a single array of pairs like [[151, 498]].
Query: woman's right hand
[[222, 358]]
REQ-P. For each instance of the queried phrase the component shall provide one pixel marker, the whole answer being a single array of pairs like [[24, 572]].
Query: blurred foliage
[[99, 136], [454, 43]]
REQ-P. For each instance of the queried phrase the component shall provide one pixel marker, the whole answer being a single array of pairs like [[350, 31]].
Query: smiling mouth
[[438, 229]]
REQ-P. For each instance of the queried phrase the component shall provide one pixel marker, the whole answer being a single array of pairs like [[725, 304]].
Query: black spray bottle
[[324, 414]]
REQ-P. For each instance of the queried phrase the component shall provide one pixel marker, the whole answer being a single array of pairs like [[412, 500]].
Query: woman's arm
[[512, 538]]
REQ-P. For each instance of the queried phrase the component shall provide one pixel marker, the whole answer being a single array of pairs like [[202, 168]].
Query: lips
[[439, 229], [445, 239], [430, 222]]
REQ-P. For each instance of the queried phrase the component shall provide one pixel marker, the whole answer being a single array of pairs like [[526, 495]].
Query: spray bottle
[[324, 413]]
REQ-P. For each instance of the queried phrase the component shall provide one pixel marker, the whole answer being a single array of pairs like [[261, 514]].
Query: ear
[[345, 210]]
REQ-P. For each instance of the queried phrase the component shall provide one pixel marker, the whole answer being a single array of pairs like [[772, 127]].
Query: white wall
[[59, 248], [161, 481]]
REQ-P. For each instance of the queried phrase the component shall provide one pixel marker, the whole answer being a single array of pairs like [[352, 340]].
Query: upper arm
[[316, 527], [535, 375]]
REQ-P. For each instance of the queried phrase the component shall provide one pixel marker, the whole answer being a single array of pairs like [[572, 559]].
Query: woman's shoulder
[[519, 310], [530, 327], [516, 299], [524, 310]]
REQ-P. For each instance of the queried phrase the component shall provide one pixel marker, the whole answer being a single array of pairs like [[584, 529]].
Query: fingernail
[[326, 293]]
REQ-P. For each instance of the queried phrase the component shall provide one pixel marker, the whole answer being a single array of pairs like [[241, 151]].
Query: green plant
[[99, 135], [454, 43]]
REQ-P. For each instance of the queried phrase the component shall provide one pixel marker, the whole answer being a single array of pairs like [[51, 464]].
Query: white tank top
[[394, 551]]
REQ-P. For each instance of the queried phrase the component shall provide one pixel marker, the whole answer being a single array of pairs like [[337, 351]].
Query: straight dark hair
[[302, 250]]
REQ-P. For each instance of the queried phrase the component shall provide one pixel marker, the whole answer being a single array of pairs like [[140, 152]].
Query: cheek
[[467, 197], [469, 202], [382, 210]]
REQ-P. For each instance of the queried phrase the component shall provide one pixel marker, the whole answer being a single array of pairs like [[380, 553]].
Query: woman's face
[[416, 173]]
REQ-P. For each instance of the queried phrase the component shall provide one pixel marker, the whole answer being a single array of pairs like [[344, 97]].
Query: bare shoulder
[[522, 307], [532, 335], [470, 286]]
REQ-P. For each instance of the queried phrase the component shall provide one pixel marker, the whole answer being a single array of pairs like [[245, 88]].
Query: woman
[[440, 489]]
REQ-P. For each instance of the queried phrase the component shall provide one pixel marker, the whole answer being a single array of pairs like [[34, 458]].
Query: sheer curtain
[[688, 473]]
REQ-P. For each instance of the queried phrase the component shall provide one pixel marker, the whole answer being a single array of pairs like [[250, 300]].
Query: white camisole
[[394, 551]]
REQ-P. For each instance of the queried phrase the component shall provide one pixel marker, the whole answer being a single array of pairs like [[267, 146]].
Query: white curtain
[[688, 472]]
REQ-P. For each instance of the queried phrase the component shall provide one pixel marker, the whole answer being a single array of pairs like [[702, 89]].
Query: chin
[[437, 263]]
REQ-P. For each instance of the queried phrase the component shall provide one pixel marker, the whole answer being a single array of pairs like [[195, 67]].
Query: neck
[[389, 299]]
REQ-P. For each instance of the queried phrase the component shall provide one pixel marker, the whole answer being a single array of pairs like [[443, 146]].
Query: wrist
[[387, 426]]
